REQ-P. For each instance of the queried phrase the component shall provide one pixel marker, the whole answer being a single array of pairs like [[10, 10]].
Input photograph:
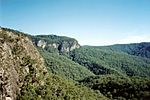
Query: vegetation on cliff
[[25, 77], [53, 43]]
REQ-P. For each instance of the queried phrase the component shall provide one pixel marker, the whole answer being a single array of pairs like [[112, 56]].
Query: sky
[[91, 22]]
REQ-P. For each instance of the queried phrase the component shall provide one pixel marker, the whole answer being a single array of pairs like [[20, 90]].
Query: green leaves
[[66, 68], [116, 87], [57, 88]]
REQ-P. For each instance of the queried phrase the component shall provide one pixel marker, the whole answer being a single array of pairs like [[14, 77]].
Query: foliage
[[56, 88], [60, 65], [117, 87], [104, 61]]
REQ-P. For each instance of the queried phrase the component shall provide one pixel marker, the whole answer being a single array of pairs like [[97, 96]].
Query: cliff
[[19, 64], [59, 43]]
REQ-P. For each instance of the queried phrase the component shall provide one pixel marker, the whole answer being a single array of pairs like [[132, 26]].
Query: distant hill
[[104, 60], [137, 49]]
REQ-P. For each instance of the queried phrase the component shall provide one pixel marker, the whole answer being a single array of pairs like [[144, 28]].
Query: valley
[[50, 67]]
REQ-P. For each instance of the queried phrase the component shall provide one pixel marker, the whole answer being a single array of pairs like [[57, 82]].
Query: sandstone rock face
[[18, 58], [64, 46], [68, 46], [74, 45], [41, 43], [53, 45]]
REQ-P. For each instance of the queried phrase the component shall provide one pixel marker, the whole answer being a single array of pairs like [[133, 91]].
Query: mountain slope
[[25, 77], [120, 88], [53, 48], [105, 61], [64, 67], [19, 60]]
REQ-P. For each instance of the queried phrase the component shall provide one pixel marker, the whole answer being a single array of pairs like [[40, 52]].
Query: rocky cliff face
[[62, 44], [67, 46], [19, 59]]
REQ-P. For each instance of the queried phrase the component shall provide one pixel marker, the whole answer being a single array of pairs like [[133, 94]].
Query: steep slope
[[19, 60], [55, 43], [23, 75], [64, 67], [105, 61], [52, 48]]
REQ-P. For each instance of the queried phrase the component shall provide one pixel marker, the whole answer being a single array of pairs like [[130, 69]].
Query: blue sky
[[91, 22]]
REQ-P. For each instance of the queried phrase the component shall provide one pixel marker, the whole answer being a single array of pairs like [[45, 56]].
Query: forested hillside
[[120, 88], [64, 67], [123, 74], [102, 61], [137, 49], [120, 75]]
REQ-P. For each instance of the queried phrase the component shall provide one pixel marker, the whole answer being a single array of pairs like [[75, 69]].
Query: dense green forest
[[118, 87], [103, 61], [64, 67], [57, 88], [115, 71], [52, 38]]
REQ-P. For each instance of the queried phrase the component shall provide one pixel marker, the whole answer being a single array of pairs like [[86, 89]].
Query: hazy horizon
[[91, 22]]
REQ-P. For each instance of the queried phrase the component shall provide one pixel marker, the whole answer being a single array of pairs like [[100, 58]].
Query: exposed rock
[[41, 43], [64, 46], [18, 58], [54, 45], [74, 45], [8, 98]]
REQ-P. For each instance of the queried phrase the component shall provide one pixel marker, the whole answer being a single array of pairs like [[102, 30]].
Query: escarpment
[[60, 43], [20, 64]]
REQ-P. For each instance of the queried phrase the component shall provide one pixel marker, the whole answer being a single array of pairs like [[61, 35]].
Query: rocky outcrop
[[53, 45], [66, 46], [41, 43], [60, 45], [18, 60]]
